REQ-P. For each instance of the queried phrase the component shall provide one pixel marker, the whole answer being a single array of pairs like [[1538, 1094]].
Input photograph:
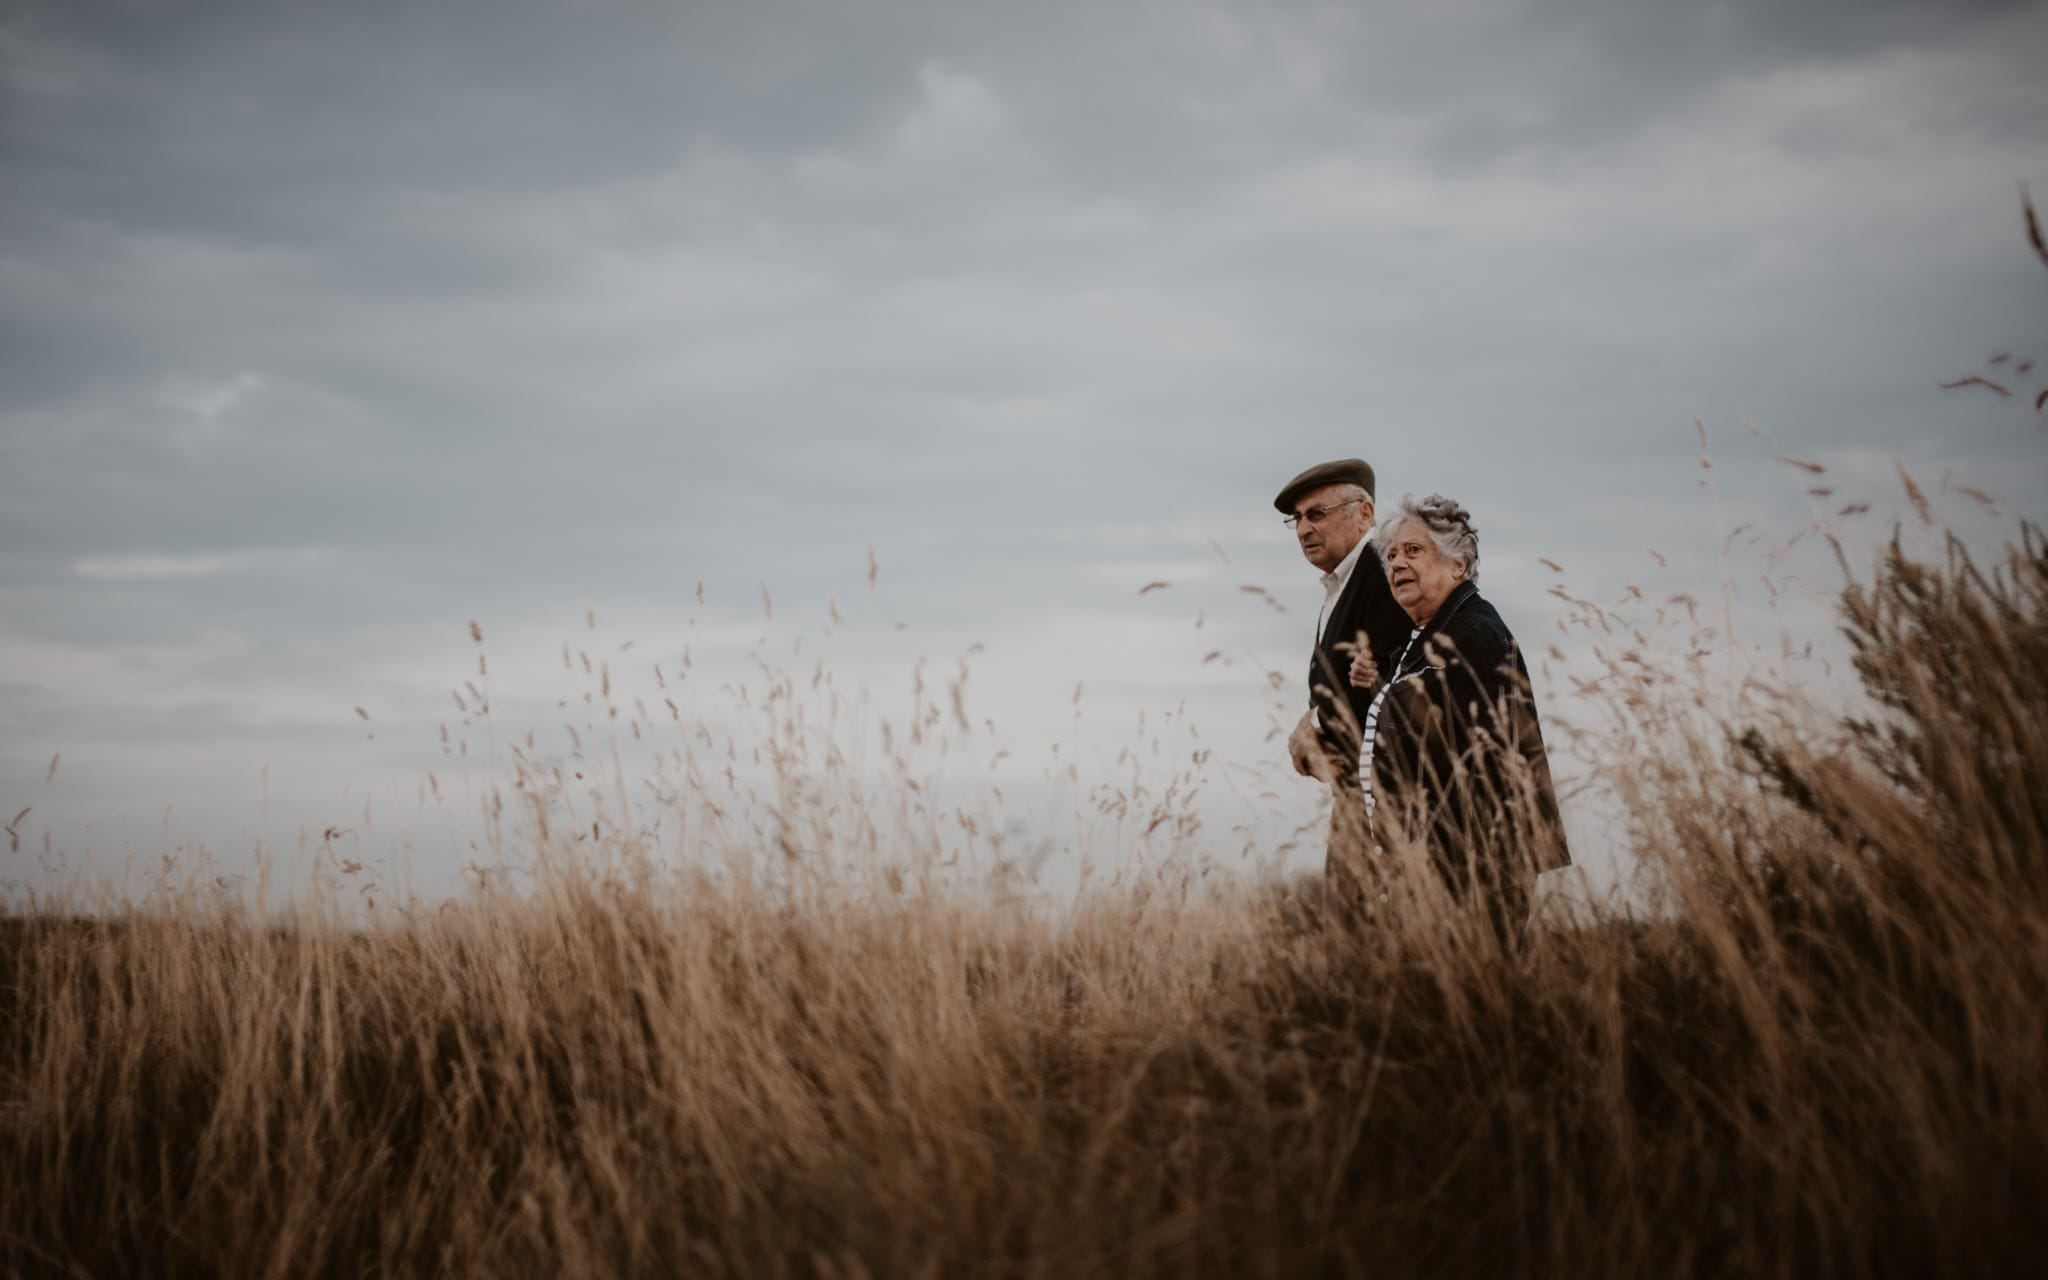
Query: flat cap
[[1343, 471]]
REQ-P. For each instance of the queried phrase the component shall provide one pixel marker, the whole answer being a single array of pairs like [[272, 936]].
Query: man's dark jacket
[[1364, 613], [1458, 755]]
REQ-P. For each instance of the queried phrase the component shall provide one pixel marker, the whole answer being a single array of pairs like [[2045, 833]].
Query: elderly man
[[1330, 509]]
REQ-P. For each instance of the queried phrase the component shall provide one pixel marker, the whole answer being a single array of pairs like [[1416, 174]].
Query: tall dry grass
[[1821, 1052]]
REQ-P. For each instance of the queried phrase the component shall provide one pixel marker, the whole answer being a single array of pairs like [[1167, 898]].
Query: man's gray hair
[[1449, 526]]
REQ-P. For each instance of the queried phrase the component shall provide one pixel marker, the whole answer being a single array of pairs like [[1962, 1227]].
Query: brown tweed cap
[[1343, 471]]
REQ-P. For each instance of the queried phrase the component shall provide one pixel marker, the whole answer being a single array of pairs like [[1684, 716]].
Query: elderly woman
[[1452, 752]]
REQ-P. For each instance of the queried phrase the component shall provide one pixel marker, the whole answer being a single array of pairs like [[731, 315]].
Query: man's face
[[1329, 521]]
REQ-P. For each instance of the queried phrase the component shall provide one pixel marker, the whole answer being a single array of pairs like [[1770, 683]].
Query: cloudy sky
[[326, 329]]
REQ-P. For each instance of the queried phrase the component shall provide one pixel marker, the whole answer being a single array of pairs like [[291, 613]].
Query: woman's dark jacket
[[1458, 755]]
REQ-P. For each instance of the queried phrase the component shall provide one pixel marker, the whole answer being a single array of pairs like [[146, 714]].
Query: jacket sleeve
[[1358, 699], [1495, 736], [1462, 678]]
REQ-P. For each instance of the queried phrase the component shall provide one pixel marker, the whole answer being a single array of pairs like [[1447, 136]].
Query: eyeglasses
[[1316, 515]]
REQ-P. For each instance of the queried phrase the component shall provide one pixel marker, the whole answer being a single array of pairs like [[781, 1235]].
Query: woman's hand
[[1365, 673]]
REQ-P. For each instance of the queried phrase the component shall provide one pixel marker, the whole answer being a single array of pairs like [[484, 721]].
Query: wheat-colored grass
[[1821, 1051]]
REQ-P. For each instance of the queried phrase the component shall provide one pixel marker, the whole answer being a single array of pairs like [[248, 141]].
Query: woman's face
[[1421, 576]]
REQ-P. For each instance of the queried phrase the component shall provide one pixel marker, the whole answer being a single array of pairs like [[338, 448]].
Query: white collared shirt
[[1334, 583]]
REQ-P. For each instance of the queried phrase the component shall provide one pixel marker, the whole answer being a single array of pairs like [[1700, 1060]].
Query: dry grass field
[[1822, 1051]]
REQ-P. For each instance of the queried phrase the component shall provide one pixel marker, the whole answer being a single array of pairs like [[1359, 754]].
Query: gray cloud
[[326, 328]]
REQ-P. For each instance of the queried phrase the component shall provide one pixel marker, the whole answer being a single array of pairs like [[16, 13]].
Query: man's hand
[[1305, 748]]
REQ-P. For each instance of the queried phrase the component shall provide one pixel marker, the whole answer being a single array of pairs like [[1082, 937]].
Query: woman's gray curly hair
[[1449, 526]]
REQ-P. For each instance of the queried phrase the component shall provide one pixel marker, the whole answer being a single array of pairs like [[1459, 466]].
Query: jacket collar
[[1340, 577], [1364, 568], [1459, 597]]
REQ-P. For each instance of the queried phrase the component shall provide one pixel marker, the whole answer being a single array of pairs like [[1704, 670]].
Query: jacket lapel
[[1418, 650]]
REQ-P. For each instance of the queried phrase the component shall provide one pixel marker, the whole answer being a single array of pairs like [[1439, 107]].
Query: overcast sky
[[326, 329]]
